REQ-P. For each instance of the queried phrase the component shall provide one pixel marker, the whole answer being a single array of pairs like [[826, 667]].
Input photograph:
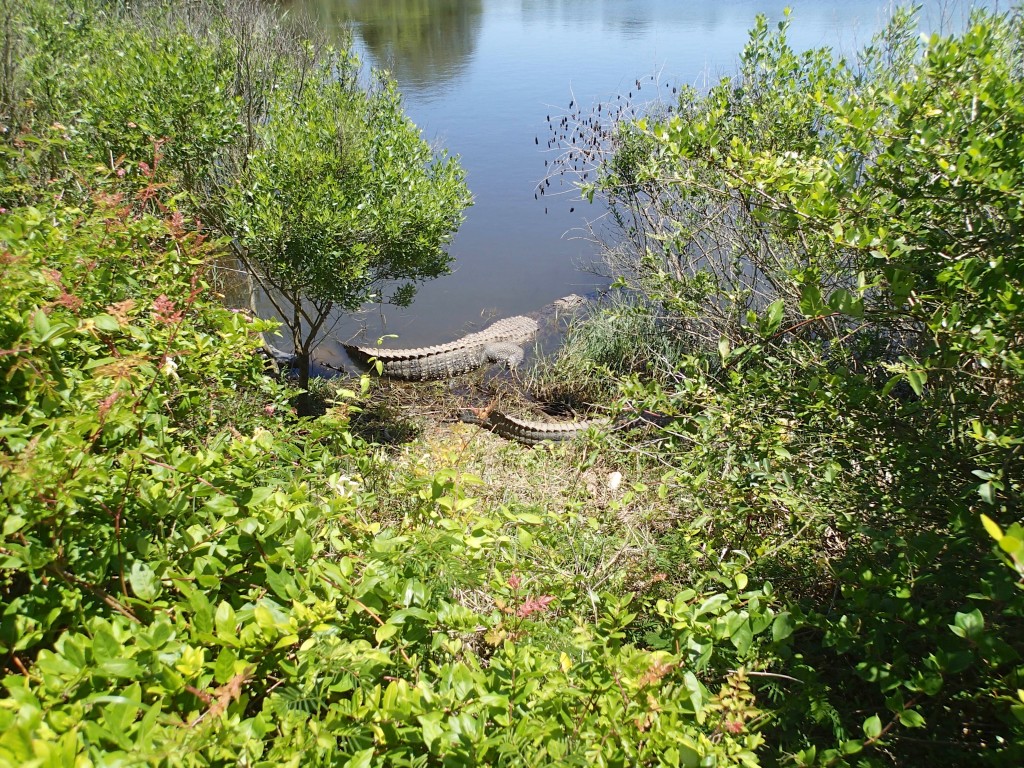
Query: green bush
[[848, 232], [339, 197], [324, 188], [188, 582]]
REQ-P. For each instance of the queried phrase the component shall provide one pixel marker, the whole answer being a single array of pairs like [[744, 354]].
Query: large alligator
[[498, 343], [528, 432]]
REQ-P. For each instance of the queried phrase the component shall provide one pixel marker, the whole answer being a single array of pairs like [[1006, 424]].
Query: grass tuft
[[620, 339]]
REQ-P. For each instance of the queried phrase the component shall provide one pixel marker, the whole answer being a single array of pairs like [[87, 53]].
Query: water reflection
[[424, 43], [629, 17], [633, 19]]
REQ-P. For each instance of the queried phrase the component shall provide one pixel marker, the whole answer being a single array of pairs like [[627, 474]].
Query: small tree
[[339, 196]]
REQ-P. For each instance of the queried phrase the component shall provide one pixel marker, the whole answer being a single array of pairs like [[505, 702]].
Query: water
[[480, 78]]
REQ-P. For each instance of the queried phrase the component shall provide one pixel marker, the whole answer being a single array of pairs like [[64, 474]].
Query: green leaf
[[695, 690], [968, 625], [529, 518], [811, 304], [992, 527], [264, 617], [104, 645], [302, 547], [847, 303], [1011, 545], [431, 726], [225, 621], [106, 323], [224, 668], [253, 497], [144, 582], [782, 627], [773, 318], [891, 383], [873, 727], [41, 323], [689, 755], [361, 759], [917, 378], [807, 757], [987, 492], [385, 632], [911, 718], [282, 583], [851, 747], [12, 523], [742, 637], [126, 668]]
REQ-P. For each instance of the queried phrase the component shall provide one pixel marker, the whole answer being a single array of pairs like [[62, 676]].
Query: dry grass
[[602, 516], [419, 428]]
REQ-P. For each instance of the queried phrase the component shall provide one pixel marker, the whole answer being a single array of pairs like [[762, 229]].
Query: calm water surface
[[480, 78]]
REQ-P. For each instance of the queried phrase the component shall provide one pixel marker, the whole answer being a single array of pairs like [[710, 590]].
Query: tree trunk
[[303, 402], [301, 363]]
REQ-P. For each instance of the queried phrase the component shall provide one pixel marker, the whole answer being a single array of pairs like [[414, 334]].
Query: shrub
[[188, 582], [846, 234]]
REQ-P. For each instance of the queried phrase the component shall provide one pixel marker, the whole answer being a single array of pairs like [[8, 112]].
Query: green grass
[[613, 341]]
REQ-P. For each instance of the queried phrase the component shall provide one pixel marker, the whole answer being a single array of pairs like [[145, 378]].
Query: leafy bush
[[340, 197], [847, 235], [324, 188], [187, 582]]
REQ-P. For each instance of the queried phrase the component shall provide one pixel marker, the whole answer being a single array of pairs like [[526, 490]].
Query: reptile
[[537, 432], [498, 343], [528, 432]]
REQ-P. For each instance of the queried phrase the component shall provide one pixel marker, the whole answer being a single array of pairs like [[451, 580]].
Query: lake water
[[481, 77]]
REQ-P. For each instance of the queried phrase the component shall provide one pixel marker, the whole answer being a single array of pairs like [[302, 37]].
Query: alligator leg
[[511, 355]]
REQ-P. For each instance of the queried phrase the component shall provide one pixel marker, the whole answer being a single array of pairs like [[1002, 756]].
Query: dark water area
[[481, 77]]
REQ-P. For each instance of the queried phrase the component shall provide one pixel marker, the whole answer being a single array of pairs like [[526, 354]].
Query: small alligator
[[528, 432], [537, 432], [498, 343]]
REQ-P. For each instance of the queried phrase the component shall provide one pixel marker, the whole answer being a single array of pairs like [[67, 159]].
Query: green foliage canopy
[[327, 191], [342, 194], [840, 244]]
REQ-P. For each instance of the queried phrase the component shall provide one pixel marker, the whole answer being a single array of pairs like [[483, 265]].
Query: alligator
[[537, 432], [528, 432], [498, 343]]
